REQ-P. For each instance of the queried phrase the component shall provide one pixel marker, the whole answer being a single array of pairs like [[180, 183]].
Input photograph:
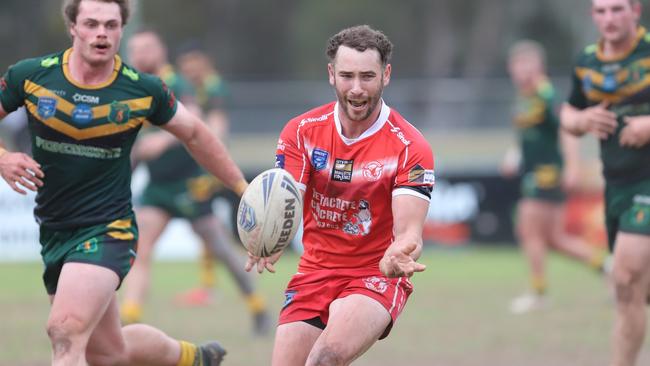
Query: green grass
[[456, 316]]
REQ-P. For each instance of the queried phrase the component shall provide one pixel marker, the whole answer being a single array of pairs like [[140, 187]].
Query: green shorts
[[543, 183], [627, 209], [111, 245], [189, 199]]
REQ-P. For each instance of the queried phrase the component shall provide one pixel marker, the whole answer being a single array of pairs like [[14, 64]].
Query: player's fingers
[[260, 266], [33, 166], [269, 267], [14, 186], [29, 176], [419, 267], [25, 182]]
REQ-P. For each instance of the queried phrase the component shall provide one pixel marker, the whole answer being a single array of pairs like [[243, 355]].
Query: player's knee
[[327, 356], [65, 334], [628, 282], [105, 359]]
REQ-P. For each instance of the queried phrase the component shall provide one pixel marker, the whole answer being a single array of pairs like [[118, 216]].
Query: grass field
[[457, 315]]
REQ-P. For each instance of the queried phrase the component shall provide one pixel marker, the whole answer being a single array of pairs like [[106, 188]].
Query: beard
[[372, 101]]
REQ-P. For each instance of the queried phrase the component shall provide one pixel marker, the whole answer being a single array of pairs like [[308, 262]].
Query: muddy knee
[[628, 285], [64, 335], [327, 356]]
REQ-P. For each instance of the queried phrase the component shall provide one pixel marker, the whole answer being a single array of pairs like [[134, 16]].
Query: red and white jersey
[[349, 183]]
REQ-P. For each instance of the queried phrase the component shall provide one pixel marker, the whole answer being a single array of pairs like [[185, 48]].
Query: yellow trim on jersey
[[621, 76], [621, 93], [66, 71], [640, 33], [134, 105], [85, 133], [98, 111], [120, 235], [120, 224], [39, 91]]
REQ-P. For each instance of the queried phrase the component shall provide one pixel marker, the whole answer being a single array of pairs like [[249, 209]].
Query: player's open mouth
[[101, 47], [357, 105]]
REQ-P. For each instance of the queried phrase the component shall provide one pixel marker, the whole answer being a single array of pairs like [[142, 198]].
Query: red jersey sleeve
[[415, 174], [291, 154]]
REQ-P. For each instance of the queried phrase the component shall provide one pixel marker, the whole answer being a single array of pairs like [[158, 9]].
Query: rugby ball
[[269, 212]]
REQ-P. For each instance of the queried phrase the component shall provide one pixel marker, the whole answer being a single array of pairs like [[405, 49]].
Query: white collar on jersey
[[376, 126]]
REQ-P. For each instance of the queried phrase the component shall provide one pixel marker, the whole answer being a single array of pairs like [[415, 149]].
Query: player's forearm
[[211, 154], [572, 121]]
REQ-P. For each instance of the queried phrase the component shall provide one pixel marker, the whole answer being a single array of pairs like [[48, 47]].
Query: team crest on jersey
[[609, 83], [376, 284], [46, 107], [89, 246], [288, 297], [319, 158], [82, 113], [342, 171], [119, 113], [372, 171]]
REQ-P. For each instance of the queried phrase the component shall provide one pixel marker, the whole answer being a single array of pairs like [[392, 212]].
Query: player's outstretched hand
[[397, 261], [20, 170], [262, 262]]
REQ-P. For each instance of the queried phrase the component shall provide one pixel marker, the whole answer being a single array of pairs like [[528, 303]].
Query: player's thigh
[[534, 218], [83, 294], [632, 259], [355, 323], [106, 345], [293, 342], [151, 223]]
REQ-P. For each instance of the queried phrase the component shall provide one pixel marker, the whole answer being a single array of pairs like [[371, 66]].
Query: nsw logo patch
[[319, 158], [46, 107]]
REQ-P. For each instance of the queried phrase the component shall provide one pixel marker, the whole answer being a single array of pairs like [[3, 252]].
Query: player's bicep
[[409, 213], [183, 124]]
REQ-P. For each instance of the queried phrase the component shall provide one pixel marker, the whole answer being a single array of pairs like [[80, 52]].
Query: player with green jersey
[[610, 98], [177, 188], [85, 108], [540, 214]]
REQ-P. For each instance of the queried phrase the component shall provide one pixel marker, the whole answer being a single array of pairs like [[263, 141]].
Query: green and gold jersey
[[537, 127], [175, 163], [82, 135], [624, 82], [213, 94]]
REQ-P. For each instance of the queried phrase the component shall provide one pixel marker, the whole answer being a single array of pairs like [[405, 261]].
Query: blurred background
[[449, 79]]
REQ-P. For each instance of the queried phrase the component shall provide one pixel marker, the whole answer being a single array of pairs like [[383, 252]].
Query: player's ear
[[330, 72], [386, 74]]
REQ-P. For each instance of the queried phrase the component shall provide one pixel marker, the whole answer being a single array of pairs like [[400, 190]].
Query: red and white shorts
[[309, 295]]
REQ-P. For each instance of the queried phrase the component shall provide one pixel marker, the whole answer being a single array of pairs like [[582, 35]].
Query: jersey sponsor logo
[[49, 62], [281, 145], [400, 135], [319, 158], [131, 74], [376, 284], [46, 107], [342, 171], [372, 171], [288, 297], [279, 161], [609, 83], [87, 247], [360, 222], [77, 150], [416, 174], [85, 98], [82, 113], [119, 113]]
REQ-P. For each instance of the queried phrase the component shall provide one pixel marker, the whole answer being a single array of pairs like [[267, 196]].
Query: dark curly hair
[[360, 37]]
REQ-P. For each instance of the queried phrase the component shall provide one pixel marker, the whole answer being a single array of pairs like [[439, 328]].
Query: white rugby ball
[[269, 212]]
